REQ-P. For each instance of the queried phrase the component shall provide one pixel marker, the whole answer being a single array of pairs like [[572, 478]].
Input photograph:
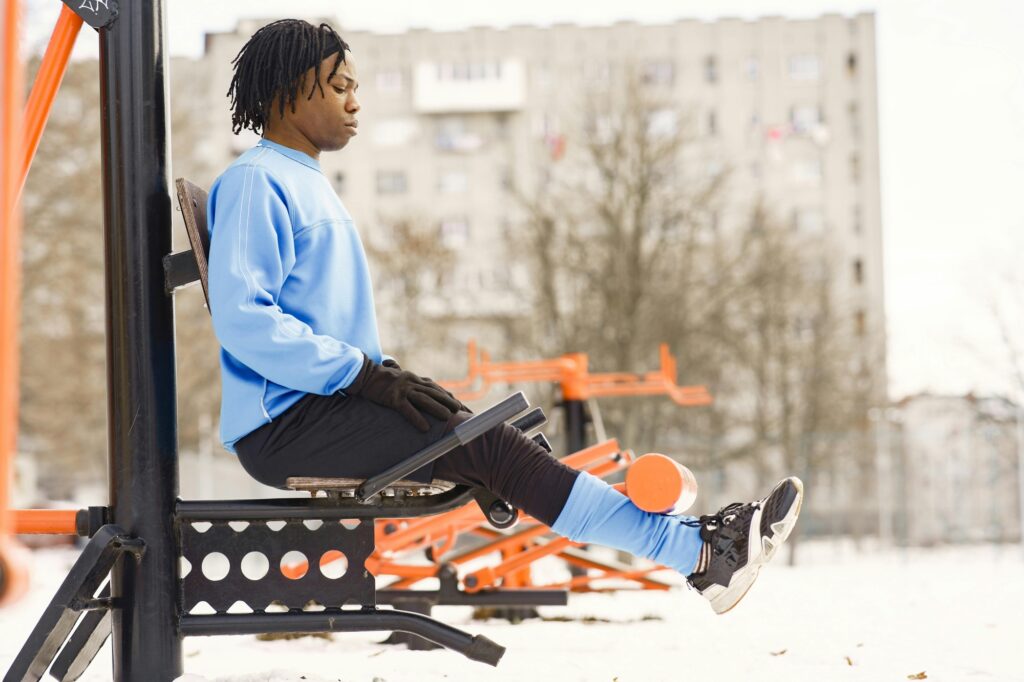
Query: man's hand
[[392, 363], [404, 392]]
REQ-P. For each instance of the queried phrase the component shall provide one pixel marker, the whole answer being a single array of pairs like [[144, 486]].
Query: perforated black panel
[[356, 586]]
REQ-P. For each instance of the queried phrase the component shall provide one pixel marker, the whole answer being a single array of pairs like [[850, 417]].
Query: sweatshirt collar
[[293, 154]]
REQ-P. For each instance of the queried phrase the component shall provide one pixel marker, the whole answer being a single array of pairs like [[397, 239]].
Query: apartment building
[[450, 119]]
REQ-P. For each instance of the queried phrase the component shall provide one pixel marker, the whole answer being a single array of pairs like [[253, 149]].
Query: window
[[860, 322], [658, 73], [469, 71], [596, 72], [394, 132], [851, 64], [857, 220], [454, 232], [855, 167], [853, 110], [858, 271], [662, 123], [752, 68], [809, 220], [389, 81], [804, 67], [452, 182], [710, 69], [453, 135], [807, 171], [339, 182], [391, 182], [805, 118], [506, 179], [712, 123]]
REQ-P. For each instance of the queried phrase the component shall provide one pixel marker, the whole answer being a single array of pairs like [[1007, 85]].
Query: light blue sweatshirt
[[290, 290]]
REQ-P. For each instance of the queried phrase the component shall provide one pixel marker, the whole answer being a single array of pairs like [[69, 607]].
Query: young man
[[307, 390]]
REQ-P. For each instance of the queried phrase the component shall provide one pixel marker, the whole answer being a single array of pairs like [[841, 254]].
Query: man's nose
[[353, 104]]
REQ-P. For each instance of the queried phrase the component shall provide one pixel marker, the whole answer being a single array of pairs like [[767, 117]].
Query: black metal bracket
[[85, 642], [74, 596], [497, 511], [97, 13], [89, 520], [179, 269]]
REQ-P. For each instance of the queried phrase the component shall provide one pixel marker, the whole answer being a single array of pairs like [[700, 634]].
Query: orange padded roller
[[660, 484]]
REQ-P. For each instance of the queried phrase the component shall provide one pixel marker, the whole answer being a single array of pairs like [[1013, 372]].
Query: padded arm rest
[[475, 426]]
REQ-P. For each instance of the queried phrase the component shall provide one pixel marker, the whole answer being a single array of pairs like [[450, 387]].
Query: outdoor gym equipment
[[141, 538]]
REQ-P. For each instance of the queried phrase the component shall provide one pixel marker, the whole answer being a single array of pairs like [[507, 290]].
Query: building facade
[[451, 120]]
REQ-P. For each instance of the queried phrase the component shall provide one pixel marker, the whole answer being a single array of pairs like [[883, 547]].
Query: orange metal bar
[[13, 560], [487, 577], [54, 521], [48, 79], [11, 140], [582, 583], [577, 382], [588, 562]]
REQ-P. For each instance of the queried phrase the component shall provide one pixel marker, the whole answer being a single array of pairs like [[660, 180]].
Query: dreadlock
[[274, 63]]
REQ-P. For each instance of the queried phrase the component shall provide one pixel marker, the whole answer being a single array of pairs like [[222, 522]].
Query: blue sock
[[598, 513]]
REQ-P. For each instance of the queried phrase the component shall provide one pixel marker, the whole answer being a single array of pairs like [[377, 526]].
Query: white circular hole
[[350, 523], [275, 525], [238, 526], [294, 565], [184, 566], [333, 564], [202, 526], [255, 565], [216, 566], [312, 524]]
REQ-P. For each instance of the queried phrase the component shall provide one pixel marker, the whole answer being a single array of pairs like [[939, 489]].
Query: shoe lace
[[718, 519], [709, 523]]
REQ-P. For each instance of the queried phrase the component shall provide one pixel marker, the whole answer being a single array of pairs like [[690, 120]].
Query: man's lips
[[353, 125]]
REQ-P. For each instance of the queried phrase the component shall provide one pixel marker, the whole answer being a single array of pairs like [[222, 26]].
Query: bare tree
[[411, 263], [627, 249], [615, 236], [63, 352]]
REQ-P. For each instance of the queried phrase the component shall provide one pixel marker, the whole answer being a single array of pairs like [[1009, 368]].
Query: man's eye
[[339, 90]]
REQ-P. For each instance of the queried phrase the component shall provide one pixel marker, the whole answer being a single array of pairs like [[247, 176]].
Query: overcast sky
[[951, 107]]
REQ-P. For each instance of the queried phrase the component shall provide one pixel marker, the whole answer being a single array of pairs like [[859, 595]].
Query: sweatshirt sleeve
[[251, 250]]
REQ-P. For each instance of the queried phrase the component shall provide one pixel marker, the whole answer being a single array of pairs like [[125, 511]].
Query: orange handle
[[661, 485]]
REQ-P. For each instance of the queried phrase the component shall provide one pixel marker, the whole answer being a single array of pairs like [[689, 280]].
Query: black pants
[[351, 437]]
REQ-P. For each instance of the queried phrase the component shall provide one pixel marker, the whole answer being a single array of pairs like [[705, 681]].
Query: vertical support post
[[575, 425], [141, 411]]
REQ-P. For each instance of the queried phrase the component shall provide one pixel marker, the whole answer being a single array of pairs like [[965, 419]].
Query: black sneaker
[[739, 539]]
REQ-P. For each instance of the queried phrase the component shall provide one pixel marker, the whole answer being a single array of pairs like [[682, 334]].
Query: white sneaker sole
[[723, 599]]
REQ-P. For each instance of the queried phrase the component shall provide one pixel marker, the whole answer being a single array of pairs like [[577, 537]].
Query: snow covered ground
[[954, 614]]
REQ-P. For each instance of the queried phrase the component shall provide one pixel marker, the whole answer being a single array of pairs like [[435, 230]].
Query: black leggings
[[351, 437]]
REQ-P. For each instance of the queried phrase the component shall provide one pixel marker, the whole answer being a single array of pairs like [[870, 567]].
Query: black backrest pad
[[192, 200]]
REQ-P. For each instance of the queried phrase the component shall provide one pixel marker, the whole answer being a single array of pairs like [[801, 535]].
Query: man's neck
[[293, 139]]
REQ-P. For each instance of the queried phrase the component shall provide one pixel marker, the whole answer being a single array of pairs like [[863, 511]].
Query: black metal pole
[[141, 412], [575, 425]]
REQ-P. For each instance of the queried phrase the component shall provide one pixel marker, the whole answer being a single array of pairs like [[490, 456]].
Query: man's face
[[328, 120]]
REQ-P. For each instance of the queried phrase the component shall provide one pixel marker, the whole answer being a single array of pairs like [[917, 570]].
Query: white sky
[[951, 107]]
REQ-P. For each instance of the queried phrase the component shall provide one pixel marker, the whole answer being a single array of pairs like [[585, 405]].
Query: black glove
[[391, 362], [404, 392]]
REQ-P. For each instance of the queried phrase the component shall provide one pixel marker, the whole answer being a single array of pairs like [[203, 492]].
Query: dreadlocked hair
[[273, 64]]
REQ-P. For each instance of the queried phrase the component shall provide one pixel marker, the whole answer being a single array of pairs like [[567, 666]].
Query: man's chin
[[336, 145]]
